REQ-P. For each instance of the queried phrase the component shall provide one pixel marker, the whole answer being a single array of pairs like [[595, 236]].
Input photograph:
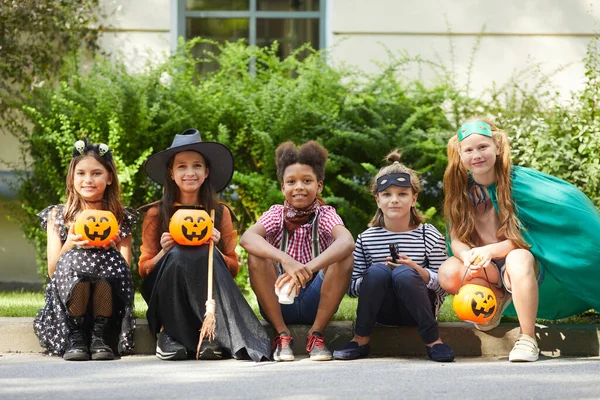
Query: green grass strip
[[27, 304]]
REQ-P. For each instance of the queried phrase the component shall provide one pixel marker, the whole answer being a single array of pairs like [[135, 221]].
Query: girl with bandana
[[89, 299], [302, 242], [395, 266], [515, 228]]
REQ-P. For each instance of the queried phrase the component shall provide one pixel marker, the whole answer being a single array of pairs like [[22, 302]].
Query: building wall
[[17, 257], [516, 36], [137, 30]]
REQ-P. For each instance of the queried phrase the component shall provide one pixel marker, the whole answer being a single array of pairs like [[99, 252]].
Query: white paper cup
[[283, 296]]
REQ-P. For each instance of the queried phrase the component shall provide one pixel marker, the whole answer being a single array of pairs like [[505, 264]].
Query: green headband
[[469, 128]]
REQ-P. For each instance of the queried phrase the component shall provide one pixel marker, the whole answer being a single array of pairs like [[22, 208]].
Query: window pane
[[217, 5], [290, 33], [217, 29], [288, 5]]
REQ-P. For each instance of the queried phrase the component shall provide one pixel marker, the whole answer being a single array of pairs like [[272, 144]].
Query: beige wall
[[518, 34], [137, 30], [9, 151], [17, 256]]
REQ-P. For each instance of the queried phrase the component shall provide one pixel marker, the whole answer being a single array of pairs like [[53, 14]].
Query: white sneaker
[[495, 321], [525, 349]]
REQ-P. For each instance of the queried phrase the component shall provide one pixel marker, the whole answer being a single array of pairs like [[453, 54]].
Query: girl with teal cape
[[531, 237]]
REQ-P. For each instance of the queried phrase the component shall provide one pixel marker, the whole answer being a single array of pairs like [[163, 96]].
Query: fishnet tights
[[80, 297], [103, 305]]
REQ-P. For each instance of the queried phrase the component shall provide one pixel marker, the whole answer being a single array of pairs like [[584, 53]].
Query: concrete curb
[[16, 336]]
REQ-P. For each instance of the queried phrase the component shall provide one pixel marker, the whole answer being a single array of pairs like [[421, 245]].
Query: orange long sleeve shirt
[[151, 242]]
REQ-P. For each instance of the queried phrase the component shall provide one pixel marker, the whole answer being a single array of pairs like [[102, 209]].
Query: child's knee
[[520, 256], [450, 272], [347, 265], [520, 263], [260, 265], [343, 267]]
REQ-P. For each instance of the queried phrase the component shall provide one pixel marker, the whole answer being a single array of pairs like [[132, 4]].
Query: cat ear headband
[[102, 149], [480, 128]]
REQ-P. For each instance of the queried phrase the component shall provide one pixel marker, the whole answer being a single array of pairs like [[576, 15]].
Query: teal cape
[[562, 226]]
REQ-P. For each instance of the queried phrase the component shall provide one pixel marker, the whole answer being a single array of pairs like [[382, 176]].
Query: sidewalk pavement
[[16, 335]]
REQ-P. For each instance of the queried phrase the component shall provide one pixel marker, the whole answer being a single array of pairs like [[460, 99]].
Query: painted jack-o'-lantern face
[[475, 303], [190, 227], [98, 227]]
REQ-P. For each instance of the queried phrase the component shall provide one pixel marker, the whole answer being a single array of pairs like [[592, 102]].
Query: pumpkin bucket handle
[[487, 278]]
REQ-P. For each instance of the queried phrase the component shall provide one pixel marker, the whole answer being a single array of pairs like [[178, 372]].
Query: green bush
[[564, 139], [254, 101]]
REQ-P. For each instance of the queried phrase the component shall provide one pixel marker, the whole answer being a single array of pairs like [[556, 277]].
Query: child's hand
[[299, 273], [406, 260], [478, 257], [113, 242], [75, 241], [403, 259], [166, 241], [282, 280], [390, 263], [216, 236]]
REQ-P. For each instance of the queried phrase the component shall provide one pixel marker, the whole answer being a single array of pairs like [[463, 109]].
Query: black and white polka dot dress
[[50, 324]]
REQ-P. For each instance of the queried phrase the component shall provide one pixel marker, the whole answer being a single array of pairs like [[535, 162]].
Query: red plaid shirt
[[299, 243]]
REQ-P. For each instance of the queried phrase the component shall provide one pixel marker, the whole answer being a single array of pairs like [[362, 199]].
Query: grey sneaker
[[282, 347], [168, 348], [316, 347], [210, 350]]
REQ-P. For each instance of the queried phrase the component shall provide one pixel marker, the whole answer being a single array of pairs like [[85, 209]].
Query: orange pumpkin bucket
[[190, 227], [98, 227], [475, 303]]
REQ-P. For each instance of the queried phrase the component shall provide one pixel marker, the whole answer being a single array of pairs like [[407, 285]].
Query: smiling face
[[90, 179], [300, 185], [189, 171], [395, 202], [478, 154]]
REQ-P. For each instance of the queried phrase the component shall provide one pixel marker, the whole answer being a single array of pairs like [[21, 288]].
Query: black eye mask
[[401, 180]]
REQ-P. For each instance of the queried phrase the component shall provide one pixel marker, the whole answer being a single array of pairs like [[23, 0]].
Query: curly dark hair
[[310, 153]]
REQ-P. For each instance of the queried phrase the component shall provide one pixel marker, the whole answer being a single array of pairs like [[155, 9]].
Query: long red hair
[[458, 208]]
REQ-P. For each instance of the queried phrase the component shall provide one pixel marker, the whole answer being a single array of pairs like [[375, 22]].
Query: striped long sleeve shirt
[[425, 245]]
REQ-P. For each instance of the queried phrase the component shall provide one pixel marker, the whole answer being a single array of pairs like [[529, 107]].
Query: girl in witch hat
[[175, 277]]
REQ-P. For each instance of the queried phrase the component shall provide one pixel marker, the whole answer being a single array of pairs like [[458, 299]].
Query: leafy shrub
[[254, 101]]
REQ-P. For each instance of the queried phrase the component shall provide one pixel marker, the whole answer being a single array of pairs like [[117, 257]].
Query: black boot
[[76, 349], [99, 349]]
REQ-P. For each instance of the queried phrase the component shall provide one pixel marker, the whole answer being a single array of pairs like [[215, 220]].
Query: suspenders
[[314, 240]]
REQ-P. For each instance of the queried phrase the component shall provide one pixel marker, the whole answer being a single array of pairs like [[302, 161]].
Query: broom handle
[[211, 251]]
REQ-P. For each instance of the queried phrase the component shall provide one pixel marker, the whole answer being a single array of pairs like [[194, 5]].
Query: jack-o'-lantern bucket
[[98, 227], [191, 227], [475, 303]]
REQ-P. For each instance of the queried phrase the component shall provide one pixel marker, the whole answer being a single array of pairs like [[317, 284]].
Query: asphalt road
[[31, 376]]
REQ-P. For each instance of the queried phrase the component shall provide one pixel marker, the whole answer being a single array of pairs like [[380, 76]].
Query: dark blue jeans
[[304, 309], [395, 297]]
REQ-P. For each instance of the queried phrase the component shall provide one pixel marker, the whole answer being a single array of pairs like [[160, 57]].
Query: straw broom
[[208, 325]]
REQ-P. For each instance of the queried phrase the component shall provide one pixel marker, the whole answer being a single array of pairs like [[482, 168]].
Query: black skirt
[[176, 292]]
